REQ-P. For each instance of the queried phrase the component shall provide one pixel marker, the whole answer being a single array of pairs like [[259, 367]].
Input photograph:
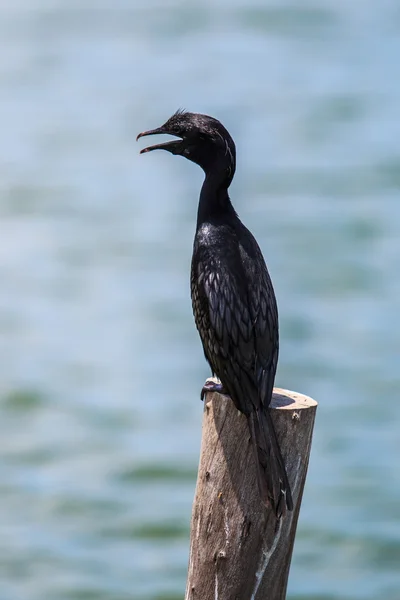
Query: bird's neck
[[214, 199]]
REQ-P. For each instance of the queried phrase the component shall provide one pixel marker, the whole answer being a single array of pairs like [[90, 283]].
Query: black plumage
[[232, 295]]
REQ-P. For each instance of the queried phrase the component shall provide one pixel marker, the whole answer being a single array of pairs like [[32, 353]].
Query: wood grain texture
[[238, 550]]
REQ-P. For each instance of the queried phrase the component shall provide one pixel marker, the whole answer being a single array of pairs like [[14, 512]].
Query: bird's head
[[203, 140]]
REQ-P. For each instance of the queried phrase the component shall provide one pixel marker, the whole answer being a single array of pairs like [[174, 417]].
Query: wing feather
[[238, 324]]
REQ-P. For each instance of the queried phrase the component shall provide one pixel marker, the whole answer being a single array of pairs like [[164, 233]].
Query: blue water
[[100, 363]]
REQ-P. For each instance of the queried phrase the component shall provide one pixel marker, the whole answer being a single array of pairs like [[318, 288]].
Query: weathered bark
[[238, 550]]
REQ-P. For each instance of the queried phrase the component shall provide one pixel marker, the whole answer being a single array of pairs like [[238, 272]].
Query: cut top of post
[[288, 400]]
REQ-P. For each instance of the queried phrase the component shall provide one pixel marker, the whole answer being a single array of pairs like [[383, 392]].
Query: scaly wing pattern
[[238, 324]]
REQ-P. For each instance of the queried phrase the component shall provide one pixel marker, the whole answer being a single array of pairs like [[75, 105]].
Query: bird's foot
[[212, 384]]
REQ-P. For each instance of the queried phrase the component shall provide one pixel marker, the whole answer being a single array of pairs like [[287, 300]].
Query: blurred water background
[[100, 363]]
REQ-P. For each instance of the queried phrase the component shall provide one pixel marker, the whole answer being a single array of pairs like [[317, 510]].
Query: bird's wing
[[237, 321]]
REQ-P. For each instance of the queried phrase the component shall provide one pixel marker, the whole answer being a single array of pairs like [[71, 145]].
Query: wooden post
[[238, 550]]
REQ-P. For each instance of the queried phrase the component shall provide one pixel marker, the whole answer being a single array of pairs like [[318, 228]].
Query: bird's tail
[[273, 481]]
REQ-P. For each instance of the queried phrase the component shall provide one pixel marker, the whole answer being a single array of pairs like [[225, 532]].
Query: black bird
[[233, 299]]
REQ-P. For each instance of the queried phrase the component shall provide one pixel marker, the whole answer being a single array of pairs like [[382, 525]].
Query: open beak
[[172, 146]]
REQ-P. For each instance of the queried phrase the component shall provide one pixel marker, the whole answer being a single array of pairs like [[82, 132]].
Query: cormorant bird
[[233, 299]]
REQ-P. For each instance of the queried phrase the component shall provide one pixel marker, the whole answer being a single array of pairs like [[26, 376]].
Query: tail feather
[[272, 478]]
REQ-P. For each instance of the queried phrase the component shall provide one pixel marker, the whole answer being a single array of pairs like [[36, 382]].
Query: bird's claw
[[212, 385]]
